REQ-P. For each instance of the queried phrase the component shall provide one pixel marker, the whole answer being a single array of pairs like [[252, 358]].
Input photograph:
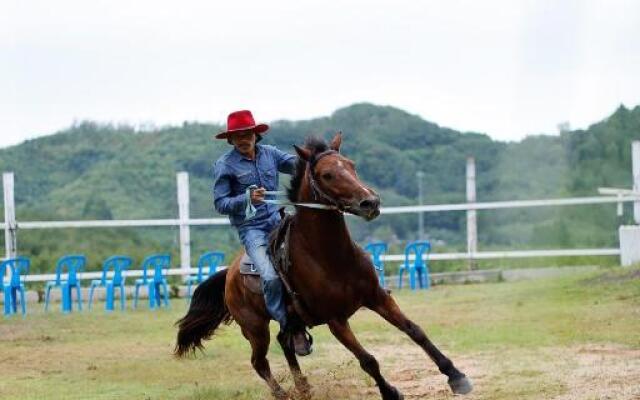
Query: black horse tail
[[206, 312]]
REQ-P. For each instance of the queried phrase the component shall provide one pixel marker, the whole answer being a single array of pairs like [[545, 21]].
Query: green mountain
[[102, 171]]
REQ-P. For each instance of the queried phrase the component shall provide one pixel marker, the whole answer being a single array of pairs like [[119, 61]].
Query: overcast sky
[[507, 68]]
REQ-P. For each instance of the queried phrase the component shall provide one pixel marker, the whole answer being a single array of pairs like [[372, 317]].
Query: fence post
[[185, 234], [10, 238], [635, 166], [420, 175], [630, 235], [472, 227], [10, 227]]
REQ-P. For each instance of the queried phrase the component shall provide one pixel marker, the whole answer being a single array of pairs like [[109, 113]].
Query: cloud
[[501, 67]]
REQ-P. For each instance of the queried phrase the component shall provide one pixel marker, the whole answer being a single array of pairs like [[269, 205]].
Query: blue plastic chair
[[72, 264], [211, 260], [159, 263], [18, 267], [377, 249], [419, 266], [117, 264]]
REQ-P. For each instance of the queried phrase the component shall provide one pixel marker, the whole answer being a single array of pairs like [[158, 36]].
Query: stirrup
[[305, 348], [287, 339]]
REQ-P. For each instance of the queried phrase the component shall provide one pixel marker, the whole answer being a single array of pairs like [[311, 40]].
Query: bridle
[[316, 191]]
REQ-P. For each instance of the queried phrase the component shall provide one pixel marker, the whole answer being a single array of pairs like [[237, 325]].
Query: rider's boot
[[299, 338]]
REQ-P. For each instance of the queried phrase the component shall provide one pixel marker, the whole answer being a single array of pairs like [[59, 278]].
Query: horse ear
[[303, 153], [336, 142]]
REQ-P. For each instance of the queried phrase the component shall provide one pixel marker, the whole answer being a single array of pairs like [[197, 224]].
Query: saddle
[[247, 267], [250, 275], [279, 253], [278, 250]]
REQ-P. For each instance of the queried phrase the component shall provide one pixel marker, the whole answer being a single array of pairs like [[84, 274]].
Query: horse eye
[[327, 176]]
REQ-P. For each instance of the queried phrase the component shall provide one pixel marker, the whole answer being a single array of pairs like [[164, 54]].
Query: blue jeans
[[256, 243]]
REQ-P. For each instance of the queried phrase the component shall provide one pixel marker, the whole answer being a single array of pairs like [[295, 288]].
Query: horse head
[[330, 178]]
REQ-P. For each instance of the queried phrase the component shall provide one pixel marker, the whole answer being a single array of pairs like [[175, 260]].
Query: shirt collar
[[238, 156]]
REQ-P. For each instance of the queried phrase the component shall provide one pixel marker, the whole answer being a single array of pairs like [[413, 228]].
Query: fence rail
[[484, 255], [494, 205], [118, 223]]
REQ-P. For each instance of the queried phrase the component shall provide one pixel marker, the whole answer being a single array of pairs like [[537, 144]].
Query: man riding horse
[[248, 164], [327, 272]]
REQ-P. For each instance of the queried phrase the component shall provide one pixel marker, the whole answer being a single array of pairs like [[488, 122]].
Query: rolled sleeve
[[223, 201]]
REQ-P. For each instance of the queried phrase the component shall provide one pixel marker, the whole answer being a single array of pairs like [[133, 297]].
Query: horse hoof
[[302, 388], [303, 393], [280, 394], [461, 385], [392, 394]]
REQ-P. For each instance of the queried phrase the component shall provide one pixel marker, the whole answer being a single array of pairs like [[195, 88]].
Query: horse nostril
[[370, 204]]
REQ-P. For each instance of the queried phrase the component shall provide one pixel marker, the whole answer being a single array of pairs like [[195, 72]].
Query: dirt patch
[[404, 366], [604, 372], [594, 371]]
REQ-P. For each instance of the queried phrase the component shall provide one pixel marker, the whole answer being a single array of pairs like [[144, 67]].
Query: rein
[[250, 210]]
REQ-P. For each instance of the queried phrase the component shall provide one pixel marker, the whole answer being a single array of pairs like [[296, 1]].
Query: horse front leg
[[389, 310], [342, 331]]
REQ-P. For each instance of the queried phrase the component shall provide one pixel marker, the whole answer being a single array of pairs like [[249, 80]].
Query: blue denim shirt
[[233, 173]]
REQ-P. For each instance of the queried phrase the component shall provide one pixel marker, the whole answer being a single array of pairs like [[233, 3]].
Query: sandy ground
[[603, 372], [597, 371]]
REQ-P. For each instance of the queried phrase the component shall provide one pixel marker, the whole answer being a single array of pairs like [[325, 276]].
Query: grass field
[[569, 338]]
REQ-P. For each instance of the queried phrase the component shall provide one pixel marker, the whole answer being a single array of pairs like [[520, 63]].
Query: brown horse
[[333, 276]]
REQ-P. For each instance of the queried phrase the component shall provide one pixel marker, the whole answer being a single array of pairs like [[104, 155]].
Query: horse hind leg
[[259, 339], [302, 385], [389, 310], [342, 331]]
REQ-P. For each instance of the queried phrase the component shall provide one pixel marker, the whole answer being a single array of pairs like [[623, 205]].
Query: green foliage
[[103, 171]]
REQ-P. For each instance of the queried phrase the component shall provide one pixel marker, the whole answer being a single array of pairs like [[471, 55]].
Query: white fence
[[184, 222]]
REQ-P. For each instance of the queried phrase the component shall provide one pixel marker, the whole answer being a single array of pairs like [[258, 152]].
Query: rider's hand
[[257, 195]]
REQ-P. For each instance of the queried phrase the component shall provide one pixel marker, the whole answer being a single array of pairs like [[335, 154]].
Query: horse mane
[[316, 145]]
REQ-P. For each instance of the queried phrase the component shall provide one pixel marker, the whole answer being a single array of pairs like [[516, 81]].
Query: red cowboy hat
[[241, 121]]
